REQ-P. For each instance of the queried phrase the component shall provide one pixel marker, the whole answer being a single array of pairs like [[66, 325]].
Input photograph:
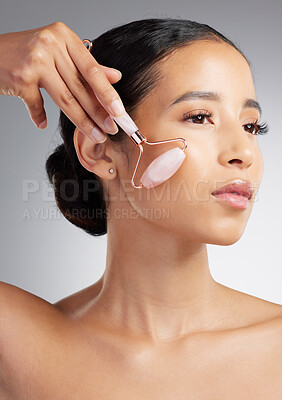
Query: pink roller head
[[162, 167]]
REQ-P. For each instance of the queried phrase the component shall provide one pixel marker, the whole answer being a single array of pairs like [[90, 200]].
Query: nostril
[[235, 160]]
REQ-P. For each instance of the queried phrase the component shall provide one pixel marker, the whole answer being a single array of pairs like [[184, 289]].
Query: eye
[[197, 117], [252, 128], [257, 129]]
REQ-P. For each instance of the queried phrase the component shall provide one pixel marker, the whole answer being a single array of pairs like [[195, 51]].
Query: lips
[[240, 187]]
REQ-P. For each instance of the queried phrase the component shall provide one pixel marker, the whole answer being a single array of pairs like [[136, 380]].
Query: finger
[[95, 75], [64, 99], [112, 74], [34, 103], [83, 92]]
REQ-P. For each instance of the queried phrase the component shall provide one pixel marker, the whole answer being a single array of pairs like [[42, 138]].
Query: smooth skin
[[157, 325]]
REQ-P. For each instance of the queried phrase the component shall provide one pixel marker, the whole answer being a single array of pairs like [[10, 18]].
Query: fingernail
[[117, 108], [43, 124], [98, 135], [110, 125], [119, 74]]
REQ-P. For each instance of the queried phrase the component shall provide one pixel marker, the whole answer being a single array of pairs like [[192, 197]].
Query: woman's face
[[220, 148]]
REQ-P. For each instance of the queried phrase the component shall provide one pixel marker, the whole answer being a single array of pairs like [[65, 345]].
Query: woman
[[156, 325]]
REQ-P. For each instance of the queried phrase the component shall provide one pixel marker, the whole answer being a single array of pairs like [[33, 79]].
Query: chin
[[226, 242], [225, 238]]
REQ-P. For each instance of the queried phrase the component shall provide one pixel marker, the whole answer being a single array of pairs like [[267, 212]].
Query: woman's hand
[[53, 57]]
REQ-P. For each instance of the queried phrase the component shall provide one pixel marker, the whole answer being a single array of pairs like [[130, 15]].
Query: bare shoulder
[[262, 310], [28, 326], [265, 347], [249, 310], [260, 323], [27, 321], [23, 313], [13, 300]]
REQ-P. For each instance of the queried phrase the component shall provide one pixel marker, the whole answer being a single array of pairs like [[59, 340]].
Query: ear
[[95, 157]]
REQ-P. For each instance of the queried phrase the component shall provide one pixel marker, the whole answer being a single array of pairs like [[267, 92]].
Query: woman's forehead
[[204, 65], [203, 57]]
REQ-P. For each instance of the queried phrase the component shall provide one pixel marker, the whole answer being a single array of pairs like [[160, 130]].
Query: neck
[[156, 283]]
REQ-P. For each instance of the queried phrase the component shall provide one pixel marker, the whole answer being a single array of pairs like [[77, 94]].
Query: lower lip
[[235, 200]]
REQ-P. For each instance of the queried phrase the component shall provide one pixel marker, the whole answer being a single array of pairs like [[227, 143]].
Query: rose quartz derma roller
[[163, 166]]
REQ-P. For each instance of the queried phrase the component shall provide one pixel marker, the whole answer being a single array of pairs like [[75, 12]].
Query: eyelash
[[261, 129]]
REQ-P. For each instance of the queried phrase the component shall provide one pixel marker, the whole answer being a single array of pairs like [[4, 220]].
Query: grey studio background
[[43, 253]]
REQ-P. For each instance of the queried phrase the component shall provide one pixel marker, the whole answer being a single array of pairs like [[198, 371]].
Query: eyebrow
[[213, 96]]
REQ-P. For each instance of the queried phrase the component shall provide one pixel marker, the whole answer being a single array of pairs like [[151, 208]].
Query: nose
[[237, 148]]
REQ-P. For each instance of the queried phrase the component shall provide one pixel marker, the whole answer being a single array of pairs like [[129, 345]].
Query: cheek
[[199, 168], [256, 169], [184, 196], [260, 165]]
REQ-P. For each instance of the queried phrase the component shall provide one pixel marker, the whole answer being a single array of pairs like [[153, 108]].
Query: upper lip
[[244, 188]]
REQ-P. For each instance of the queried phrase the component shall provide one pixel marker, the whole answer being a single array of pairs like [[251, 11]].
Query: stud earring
[[111, 170]]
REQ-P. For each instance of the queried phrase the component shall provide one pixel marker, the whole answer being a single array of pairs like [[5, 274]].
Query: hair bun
[[80, 204]]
